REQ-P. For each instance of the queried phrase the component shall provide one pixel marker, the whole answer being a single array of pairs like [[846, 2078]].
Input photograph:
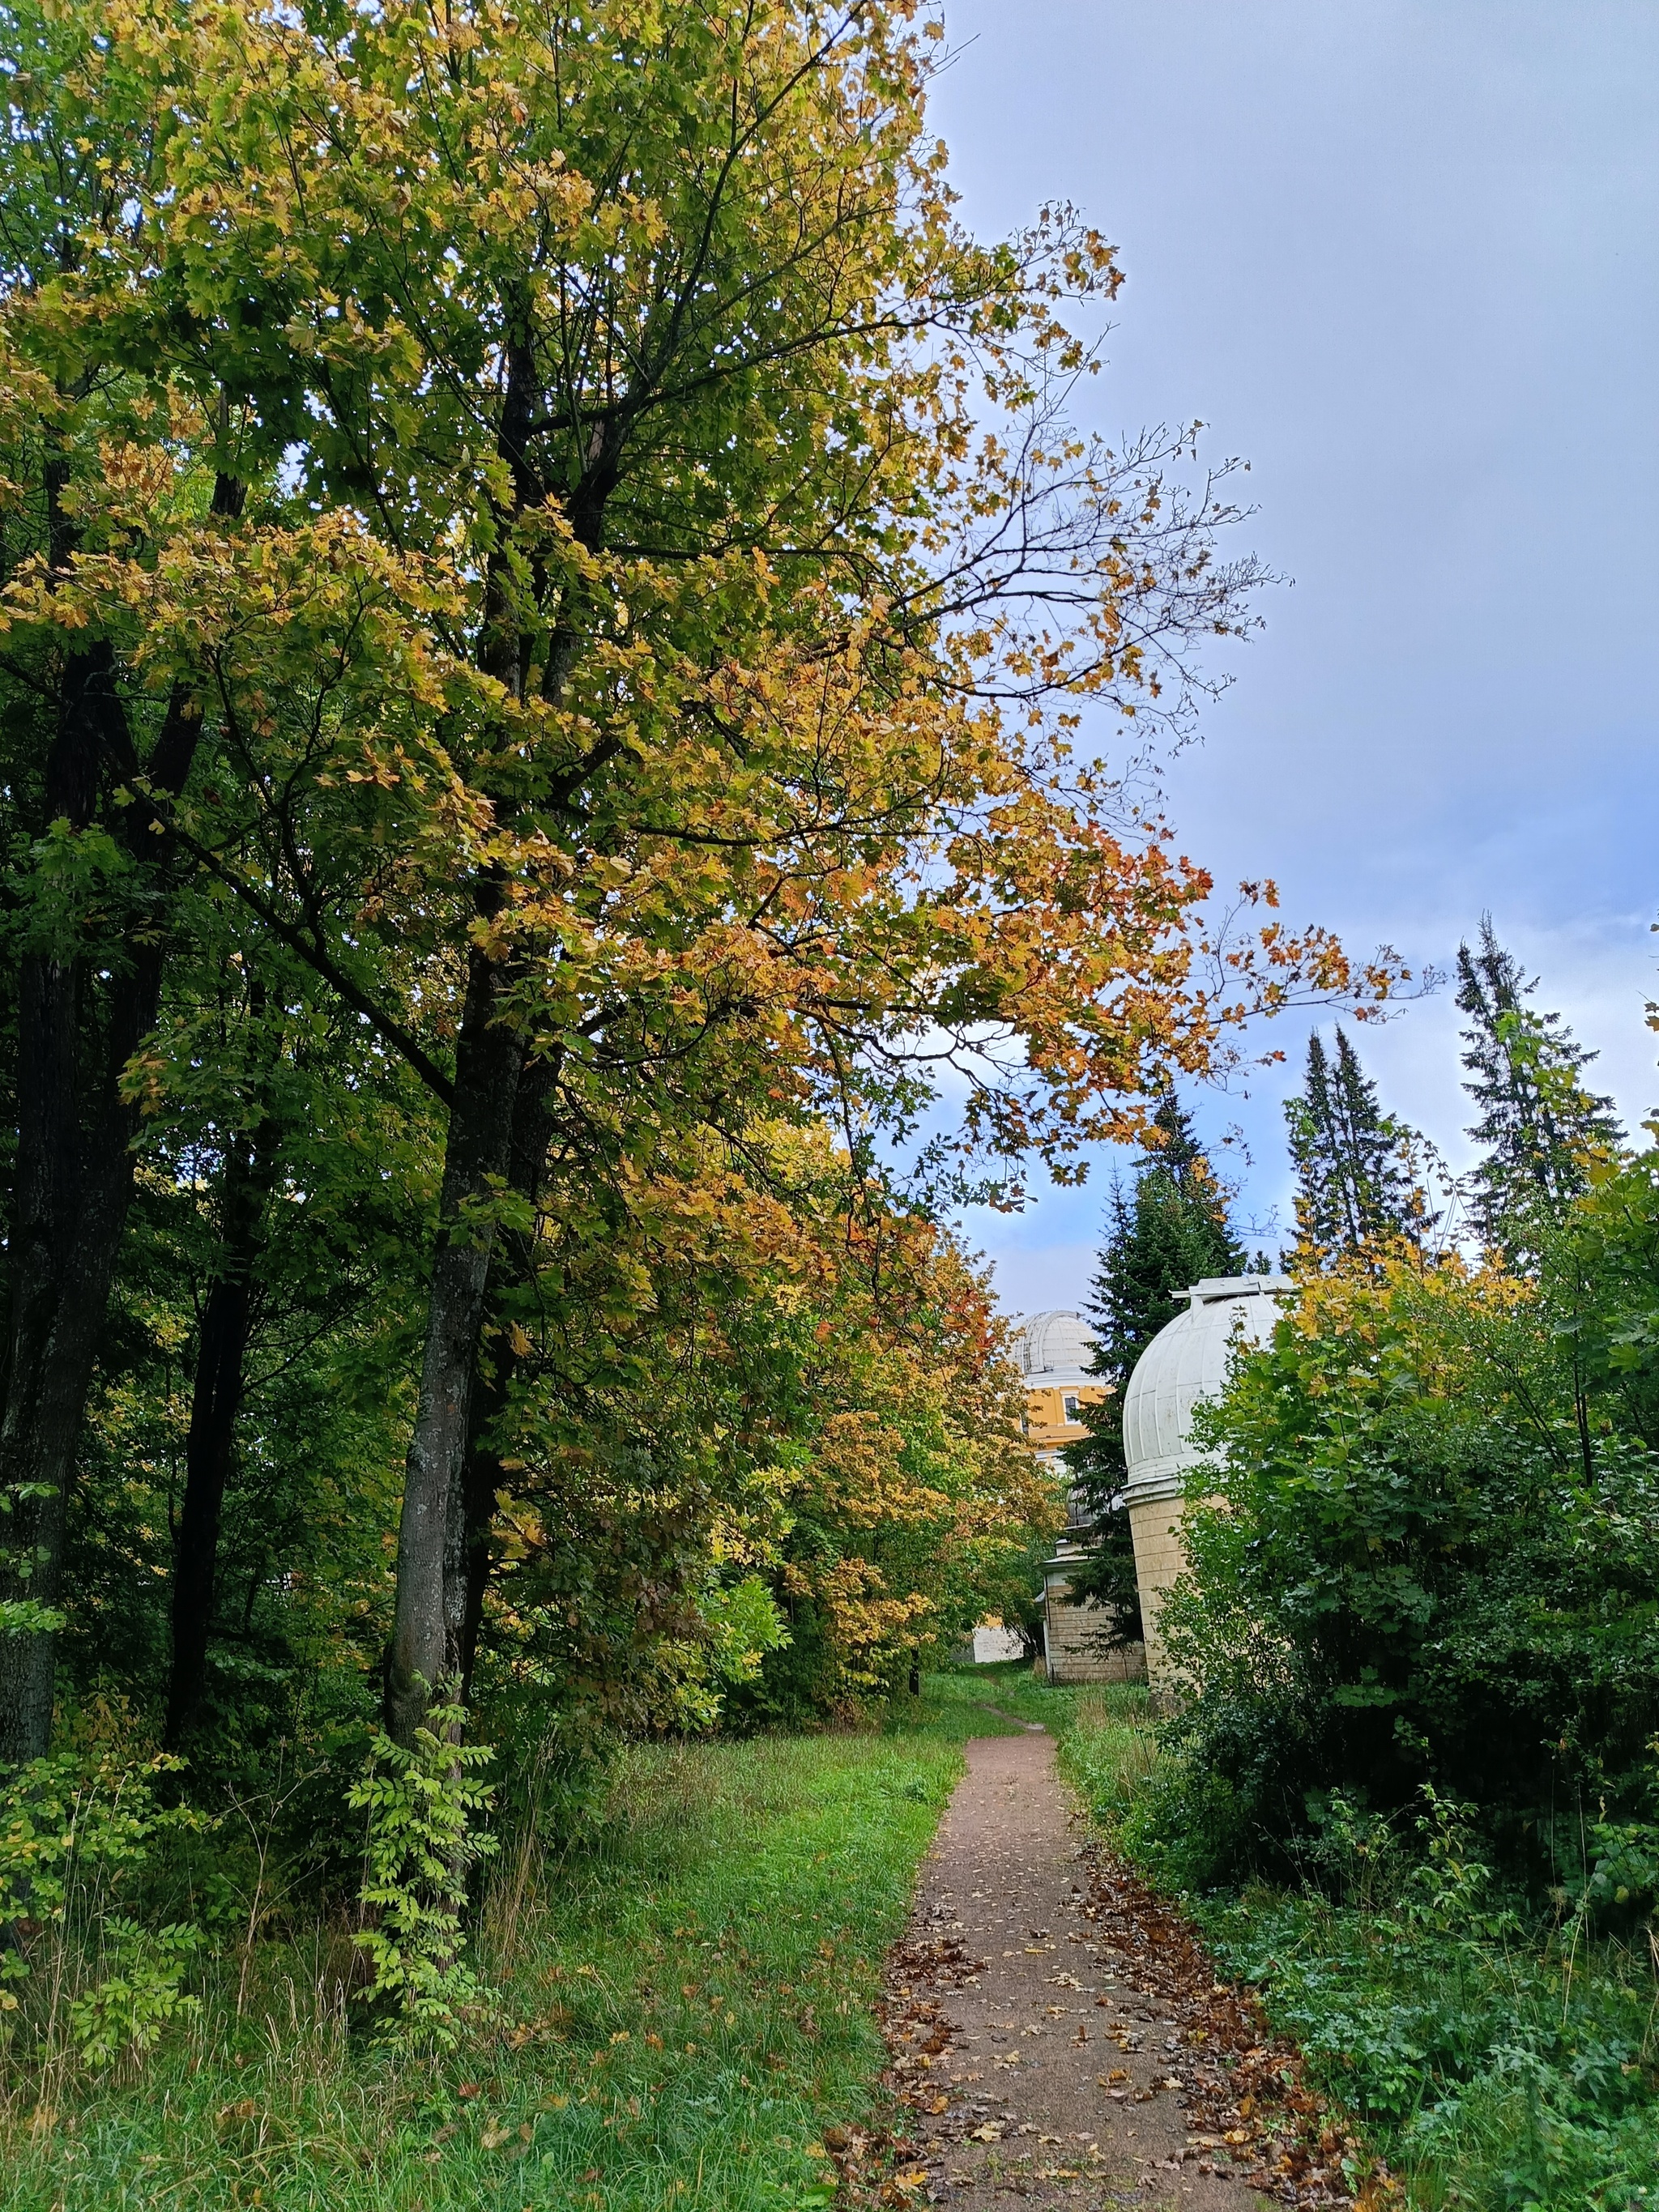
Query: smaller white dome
[[1186, 1360], [1052, 1349]]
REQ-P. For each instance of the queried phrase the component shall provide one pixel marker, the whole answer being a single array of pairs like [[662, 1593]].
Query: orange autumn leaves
[[618, 538], [810, 823]]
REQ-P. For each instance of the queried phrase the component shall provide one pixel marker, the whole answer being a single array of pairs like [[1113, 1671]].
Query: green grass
[[686, 2006], [968, 1701], [1490, 2074], [1109, 1748], [1499, 2064]]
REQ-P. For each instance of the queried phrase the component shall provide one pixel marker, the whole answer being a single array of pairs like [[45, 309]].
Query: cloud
[[1405, 258]]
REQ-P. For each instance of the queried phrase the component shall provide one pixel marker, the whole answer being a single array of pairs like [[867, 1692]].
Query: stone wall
[[1070, 1630], [1160, 1559]]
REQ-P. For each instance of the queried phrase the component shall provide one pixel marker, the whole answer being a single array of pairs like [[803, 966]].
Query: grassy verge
[[1109, 1751], [1496, 2071], [686, 2004], [1500, 2065], [970, 1701]]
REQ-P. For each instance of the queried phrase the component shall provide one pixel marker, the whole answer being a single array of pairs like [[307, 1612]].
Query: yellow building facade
[[1054, 1351]]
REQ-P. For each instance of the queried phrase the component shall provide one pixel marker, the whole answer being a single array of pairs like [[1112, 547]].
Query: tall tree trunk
[[56, 1307], [74, 1131], [74, 1186], [492, 1378], [437, 1533], [429, 1623], [431, 1603], [221, 1369]]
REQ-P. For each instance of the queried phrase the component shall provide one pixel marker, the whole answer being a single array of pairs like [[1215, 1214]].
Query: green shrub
[[1426, 1558], [138, 1990], [80, 1969], [422, 1844]]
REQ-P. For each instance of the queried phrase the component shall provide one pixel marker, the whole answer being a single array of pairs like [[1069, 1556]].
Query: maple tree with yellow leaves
[[543, 530]]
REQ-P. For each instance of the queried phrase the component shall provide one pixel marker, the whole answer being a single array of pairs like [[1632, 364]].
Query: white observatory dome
[[1052, 1349], [1186, 1360]]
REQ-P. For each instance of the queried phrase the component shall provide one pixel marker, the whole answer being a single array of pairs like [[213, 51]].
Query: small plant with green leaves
[[1352, 1854], [1621, 1887], [1450, 1889], [424, 1840], [138, 1991], [79, 1968]]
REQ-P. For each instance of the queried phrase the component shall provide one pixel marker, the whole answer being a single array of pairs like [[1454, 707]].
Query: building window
[[1074, 1412]]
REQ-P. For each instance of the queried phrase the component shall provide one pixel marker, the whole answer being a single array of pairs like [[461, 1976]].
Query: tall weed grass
[[1502, 2062], [683, 1988]]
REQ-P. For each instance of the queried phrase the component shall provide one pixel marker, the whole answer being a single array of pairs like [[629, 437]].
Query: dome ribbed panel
[[1054, 1342], [1186, 1360], [1150, 1403]]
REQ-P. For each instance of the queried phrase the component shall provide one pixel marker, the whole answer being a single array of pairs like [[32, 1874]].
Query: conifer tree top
[[1361, 1181], [1542, 1130]]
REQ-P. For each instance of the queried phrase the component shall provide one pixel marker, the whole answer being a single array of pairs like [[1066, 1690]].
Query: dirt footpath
[[1057, 2037]]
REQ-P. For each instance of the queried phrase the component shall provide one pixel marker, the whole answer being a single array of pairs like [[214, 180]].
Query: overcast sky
[[1403, 259]]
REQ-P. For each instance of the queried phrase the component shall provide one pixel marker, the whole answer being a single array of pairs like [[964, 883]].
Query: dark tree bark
[[221, 1370], [62, 1240], [75, 1165], [74, 1186], [492, 1376]]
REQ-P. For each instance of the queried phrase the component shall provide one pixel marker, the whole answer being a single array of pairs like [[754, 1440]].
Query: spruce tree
[[1360, 1179], [1541, 1129], [1164, 1233]]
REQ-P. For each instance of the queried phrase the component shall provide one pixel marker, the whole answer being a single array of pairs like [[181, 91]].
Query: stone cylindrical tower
[[1186, 1360]]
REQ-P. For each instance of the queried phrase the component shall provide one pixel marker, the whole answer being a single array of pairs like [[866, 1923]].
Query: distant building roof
[[1053, 1351]]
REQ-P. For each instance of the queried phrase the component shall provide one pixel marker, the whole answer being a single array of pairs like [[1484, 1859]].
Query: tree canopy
[[1361, 1174], [548, 594]]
